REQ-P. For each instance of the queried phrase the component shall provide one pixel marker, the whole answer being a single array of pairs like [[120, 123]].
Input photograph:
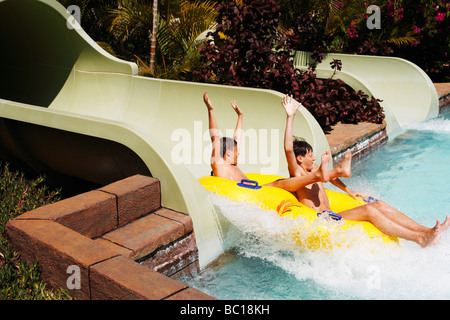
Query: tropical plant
[[19, 279], [248, 49], [180, 24], [180, 34], [93, 13], [130, 24], [429, 21], [411, 29], [341, 24]]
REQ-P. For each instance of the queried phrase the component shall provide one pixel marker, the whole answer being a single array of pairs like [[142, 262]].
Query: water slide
[[72, 111], [407, 92]]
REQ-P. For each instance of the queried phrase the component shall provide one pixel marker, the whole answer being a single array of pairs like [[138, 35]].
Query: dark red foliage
[[246, 49]]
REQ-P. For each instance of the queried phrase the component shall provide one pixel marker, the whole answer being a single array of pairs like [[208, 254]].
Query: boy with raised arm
[[387, 219]]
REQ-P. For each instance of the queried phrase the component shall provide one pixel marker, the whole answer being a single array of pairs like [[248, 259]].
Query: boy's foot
[[446, 224], [434, 234], [345, 167], [323, 169]]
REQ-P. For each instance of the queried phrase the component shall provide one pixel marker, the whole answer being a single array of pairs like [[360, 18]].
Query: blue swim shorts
[[330, 215]]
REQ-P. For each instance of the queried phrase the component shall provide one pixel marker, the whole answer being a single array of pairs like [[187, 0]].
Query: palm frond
[[333, 12], [178, 31], [177, 35], [400, 36], [402, 41], [143, 68], [131, 16]]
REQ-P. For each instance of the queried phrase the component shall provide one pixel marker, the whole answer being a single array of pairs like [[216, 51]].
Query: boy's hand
[[236, 107], [355, 194], [207, 101], [289, 106]]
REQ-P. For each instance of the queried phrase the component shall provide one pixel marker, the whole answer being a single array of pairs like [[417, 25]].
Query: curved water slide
[[407, 92], [71, 110]]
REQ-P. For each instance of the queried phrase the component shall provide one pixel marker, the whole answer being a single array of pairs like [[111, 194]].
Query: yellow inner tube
[[316, 233]]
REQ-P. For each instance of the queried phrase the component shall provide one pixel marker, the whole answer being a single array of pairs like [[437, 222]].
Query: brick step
[[136, 196], [162, 240], [116, 236]]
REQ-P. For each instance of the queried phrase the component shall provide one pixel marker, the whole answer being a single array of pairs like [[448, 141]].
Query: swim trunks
[[330, 215], [370, 200]]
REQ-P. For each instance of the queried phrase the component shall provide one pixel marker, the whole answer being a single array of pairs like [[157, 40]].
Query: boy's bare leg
[[296, 183], [395, 223], [397, 216], [344, 169]]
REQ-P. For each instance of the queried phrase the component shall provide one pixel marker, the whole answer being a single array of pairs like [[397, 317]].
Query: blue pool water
[[410, 172]]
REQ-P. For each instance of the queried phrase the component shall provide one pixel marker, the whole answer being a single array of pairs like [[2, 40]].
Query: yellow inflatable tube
[[316, 233]]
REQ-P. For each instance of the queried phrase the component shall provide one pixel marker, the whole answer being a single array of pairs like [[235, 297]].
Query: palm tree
[[179, 34], [132, 19], [153, 41], [174, 36]]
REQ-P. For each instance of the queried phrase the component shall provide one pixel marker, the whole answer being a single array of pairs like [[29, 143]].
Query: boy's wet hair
[[226, 144], [301, 147]]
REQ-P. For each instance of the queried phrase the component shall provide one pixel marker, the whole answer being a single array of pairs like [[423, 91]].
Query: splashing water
[[410, 173]]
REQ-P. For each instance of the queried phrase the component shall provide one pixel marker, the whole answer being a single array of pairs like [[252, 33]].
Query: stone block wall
[[107, 243]]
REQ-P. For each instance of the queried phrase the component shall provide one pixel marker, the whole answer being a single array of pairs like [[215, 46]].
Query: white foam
[[365, 270], [437, 125]]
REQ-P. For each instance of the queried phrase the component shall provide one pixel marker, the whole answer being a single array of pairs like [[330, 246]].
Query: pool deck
[[364, 137]]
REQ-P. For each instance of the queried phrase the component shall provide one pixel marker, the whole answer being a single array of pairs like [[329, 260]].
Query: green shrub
[[247, 49], [20, 280]]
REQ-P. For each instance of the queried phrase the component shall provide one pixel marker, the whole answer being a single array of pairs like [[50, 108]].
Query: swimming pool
[[410, 172]]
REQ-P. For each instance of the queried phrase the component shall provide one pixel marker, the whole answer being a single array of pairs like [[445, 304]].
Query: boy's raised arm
[[238, 131], [291, 108], [213, 131]]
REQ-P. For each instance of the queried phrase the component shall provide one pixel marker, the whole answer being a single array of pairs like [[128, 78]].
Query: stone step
[[117, 236], [162, 240], [136, 196]]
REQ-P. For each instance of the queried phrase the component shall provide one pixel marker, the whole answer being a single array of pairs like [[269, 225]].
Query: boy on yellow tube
[[390, 221]]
